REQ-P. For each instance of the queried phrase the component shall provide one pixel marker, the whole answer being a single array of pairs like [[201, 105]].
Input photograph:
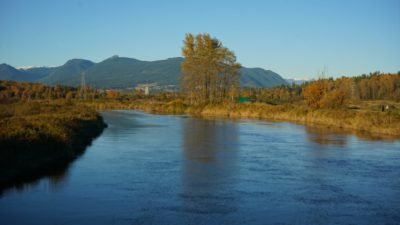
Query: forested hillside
[[122, 72]]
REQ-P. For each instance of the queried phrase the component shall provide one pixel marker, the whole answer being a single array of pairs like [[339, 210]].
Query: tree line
[[210, 75], [11, 91], [332, 93]]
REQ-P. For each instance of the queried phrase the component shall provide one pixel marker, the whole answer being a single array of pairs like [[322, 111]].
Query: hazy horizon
[[296, 39]]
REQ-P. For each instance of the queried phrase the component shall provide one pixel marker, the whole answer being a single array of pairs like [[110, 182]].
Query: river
[[155, 169]]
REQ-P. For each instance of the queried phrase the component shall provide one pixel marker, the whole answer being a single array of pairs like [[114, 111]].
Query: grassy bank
[[38, 137], [150, 106], [366, 119], [387, 123]]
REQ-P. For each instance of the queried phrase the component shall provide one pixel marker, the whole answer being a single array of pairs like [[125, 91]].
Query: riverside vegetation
[[365, 117], [367, 103], [44, 128], [40, 136]]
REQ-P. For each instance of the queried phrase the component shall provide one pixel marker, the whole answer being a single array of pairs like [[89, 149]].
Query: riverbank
[[375, 123], [40, 137], [362, 120]]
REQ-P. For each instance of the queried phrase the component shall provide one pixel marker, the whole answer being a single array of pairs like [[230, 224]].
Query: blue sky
[[297, 39]]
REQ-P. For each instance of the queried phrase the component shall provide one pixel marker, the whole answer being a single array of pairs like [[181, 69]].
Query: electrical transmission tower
[[83, 91]]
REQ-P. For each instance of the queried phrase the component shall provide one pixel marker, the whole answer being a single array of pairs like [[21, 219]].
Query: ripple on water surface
[[152, 169]]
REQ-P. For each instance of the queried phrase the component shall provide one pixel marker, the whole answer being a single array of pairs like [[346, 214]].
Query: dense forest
[[333, 93]]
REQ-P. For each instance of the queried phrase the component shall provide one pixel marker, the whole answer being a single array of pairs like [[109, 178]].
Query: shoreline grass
[[40, 137], [37, 138], [366, 121]]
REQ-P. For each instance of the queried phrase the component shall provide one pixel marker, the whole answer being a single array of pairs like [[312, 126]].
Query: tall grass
[[365, 120], [37, 136]]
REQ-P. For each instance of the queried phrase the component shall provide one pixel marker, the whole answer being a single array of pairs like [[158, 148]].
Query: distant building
[[146, 87]]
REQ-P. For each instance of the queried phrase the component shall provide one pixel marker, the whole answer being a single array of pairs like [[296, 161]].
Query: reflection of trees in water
[[56, 178], [210, 149], [203, 140], [55, 171], [318, 186], [338, 137], [325, 136]]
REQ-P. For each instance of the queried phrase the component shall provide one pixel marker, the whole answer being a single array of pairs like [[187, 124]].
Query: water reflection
[[55, 173], [56, 180], [217, 172], [210, 148], [203, 139], [339, 137], [323, 136]]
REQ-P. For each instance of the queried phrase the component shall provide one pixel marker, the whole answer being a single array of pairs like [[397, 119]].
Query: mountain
[[36, 73], [122, 72], [257, 77], [33, 74], [8, 72], [68, 74]]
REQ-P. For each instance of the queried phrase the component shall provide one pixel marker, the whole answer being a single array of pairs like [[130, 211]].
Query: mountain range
[[297, 81], [122, 72]]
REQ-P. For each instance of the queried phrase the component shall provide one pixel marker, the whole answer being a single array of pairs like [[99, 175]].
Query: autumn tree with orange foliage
[[329, 93], [112, 94], [379, 86], [338, 93], [315, 92], [209, 70]]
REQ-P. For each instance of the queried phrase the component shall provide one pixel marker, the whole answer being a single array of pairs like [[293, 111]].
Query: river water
[[154, 169]]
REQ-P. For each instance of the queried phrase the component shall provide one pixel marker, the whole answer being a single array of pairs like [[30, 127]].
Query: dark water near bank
[[149, 169]]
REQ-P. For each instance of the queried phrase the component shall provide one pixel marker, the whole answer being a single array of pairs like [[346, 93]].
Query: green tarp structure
[[244, 99]]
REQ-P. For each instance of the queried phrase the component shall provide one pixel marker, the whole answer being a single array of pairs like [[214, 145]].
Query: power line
[[83, 91]]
